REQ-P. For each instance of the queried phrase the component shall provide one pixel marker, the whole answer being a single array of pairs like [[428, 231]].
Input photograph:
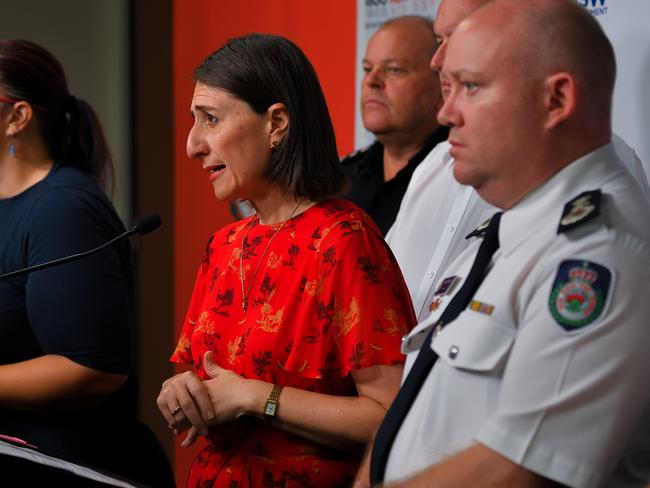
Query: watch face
[[269, 408]]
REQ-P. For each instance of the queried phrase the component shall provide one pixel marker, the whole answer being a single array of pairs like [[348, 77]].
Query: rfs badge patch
[[579, 293]]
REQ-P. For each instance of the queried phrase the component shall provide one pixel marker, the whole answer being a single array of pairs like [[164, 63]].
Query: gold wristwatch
[[272, 402]]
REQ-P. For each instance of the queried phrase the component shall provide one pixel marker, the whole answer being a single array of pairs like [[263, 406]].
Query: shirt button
[[453, 352], [451, 228], [430, 274]]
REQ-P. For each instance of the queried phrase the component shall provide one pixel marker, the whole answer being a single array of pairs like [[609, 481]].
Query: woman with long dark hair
[[66, 333], [293, 331]]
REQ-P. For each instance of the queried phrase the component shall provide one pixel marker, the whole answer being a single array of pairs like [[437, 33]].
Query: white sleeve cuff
[[544, 460]]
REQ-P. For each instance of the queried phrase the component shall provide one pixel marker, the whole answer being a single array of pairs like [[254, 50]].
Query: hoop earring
[[12, 150]]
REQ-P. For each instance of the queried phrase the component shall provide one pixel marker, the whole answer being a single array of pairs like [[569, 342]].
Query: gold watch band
[[272, 402]]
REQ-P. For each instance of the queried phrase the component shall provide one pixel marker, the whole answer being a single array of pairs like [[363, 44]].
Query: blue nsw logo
[[592, 3]]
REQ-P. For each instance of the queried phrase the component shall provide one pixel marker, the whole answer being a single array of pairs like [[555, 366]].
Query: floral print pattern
[[328, 298]]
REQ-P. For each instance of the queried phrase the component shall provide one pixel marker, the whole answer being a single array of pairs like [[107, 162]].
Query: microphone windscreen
[[148, 224]]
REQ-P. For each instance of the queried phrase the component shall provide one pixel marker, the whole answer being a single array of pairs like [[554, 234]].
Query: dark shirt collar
[[376, 160]]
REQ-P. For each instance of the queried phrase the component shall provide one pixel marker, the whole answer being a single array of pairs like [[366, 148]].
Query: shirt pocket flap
[[413, 341], [474, 342]]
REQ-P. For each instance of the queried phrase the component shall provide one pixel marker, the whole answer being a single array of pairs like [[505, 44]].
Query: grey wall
[[91, 38]]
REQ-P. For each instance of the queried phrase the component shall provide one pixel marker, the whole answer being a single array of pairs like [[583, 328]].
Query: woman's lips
[[215, 171]]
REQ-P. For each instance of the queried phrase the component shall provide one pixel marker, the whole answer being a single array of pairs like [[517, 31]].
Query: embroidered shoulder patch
[[579, 293], [581, 209]]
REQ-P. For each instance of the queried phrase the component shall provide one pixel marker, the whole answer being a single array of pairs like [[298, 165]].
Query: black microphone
[[144, 226]]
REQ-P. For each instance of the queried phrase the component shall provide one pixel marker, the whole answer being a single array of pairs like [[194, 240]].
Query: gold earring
[[274, 145]]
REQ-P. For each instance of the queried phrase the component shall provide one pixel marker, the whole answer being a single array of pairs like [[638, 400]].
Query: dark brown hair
[[68, 126], [261, 70]]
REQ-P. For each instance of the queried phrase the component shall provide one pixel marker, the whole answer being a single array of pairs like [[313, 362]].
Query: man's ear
[[559, 98], [18, 117], [278, 119]]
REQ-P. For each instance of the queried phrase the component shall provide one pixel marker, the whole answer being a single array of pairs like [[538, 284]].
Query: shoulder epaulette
[[579, 210], [354, 155]]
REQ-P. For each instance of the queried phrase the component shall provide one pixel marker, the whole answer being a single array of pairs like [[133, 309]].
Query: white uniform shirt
[[437, 213], [562, 403], [435, 216]]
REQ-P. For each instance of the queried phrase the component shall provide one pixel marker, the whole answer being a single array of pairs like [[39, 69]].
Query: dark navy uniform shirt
[[365, 174]]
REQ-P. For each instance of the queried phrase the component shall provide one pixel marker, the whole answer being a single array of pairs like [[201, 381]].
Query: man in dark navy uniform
[[400, 96]]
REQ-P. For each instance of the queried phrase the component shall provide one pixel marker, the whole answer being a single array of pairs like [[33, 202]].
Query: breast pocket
[[465, 383], [474, 342]]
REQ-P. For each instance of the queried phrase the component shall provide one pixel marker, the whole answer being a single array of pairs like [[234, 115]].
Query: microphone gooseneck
[[147, 224], [144, 226]]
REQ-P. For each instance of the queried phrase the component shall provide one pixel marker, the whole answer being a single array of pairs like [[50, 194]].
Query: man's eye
[[211, 119], [470, 87], [366, 69], [394, 70]]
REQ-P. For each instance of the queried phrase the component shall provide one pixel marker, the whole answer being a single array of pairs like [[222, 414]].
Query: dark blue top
[[81, 310]]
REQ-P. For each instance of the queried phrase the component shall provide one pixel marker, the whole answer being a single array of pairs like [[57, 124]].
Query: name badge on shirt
[[447, 286]]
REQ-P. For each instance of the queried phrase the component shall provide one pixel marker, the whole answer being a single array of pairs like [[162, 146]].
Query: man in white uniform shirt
[[543, 377], [437, 212]]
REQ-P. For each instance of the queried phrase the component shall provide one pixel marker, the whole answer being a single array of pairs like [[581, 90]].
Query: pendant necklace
[[246, 291]]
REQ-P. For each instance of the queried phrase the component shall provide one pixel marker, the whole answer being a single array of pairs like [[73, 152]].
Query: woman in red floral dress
[[294, 326]]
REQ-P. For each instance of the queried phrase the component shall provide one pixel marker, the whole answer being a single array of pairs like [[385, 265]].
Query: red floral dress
[[327, 298]]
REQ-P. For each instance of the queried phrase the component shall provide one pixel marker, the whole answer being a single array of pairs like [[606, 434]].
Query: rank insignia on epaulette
[[579, 293], [447, 286], [480, 230], [581, 209]]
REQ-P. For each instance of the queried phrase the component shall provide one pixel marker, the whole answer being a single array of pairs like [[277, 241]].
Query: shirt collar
[[440, 135], [545, 204]]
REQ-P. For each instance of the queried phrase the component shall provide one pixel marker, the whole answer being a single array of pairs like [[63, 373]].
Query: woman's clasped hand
[[203, 404]]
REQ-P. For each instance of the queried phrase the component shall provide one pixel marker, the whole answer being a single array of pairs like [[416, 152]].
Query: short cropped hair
[[263, 69], [564, 36]]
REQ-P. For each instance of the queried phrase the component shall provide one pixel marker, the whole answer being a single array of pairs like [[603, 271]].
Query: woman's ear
[[560, 98], [278, 119], [18, 117]]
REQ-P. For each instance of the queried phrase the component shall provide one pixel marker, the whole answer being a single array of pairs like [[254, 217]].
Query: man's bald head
[[400, 95], [525, 97], [561, 36], [450, 14], [564, 36], [418, 24]]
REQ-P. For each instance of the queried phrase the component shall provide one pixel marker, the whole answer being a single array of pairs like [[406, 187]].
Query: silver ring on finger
[[176, 410]]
